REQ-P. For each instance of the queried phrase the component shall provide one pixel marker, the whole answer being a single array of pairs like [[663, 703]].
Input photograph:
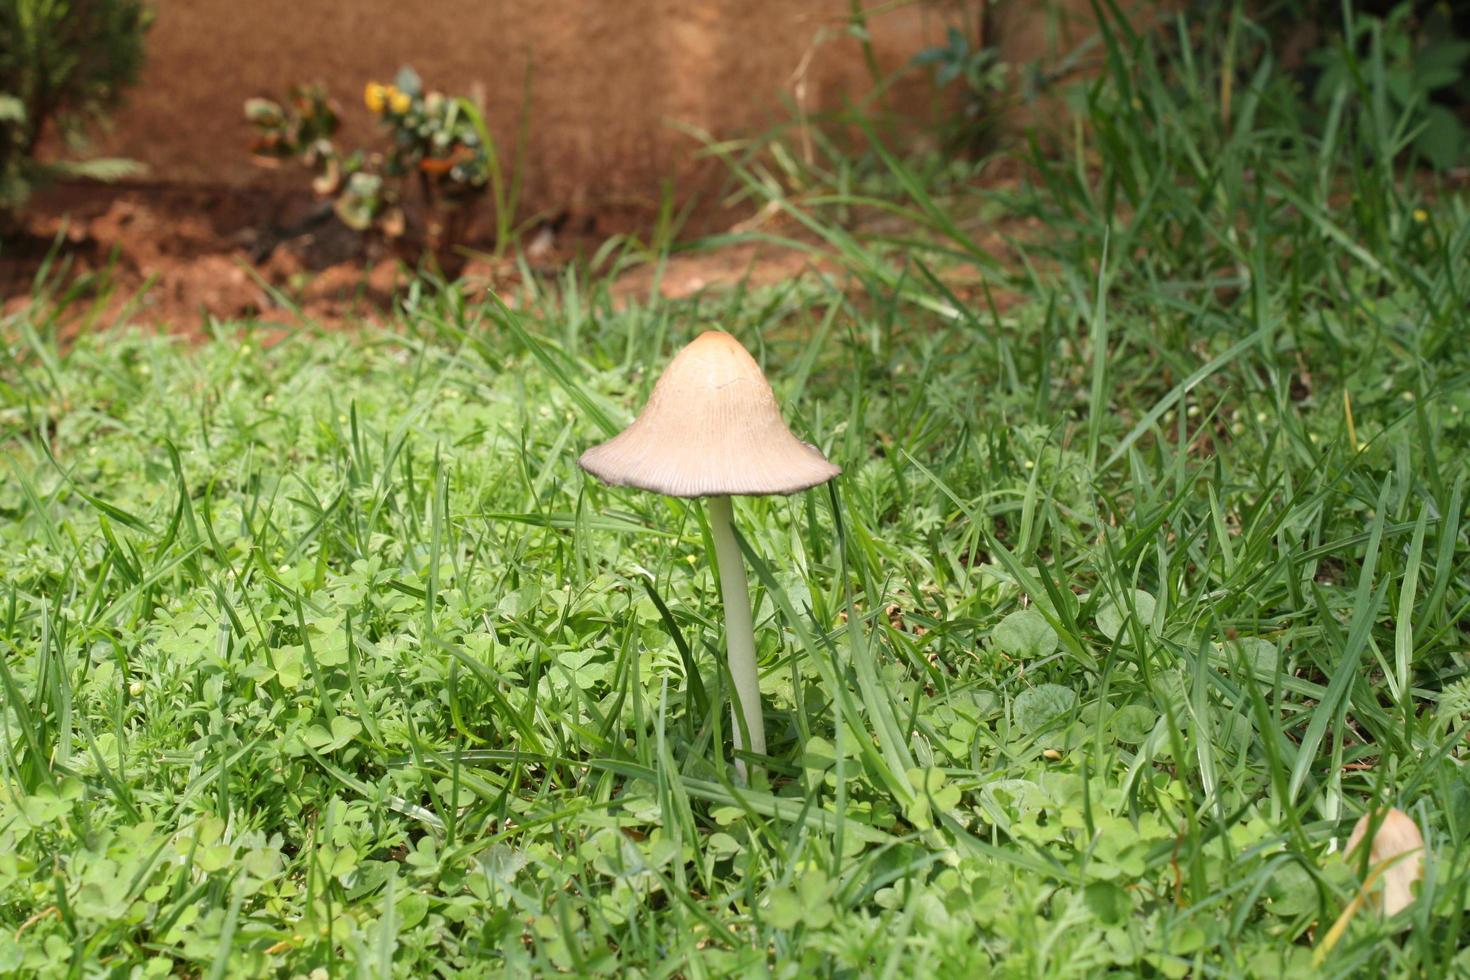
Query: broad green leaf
[[1037, 707], [1131, 723], [1112, 614], [1025, 635]]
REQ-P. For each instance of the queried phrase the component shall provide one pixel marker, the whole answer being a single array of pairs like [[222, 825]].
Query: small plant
[[302, 127], [437, 143], [64, 64], [1399, 72], [1410, 70], [982, 78]]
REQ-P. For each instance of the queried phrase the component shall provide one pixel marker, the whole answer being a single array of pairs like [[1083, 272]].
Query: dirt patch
[[173, 258], [179, 258], [750, 264]]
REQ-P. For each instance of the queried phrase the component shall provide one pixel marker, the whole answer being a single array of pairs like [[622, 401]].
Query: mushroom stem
[[739, 632]]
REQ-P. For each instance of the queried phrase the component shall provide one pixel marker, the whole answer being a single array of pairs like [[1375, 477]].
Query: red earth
[[175, 258], [172, 258]]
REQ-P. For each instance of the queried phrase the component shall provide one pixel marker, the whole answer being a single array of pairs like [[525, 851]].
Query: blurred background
[[606, 93], [219, 151]]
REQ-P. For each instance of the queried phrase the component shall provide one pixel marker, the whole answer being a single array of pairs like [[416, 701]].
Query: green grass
[[1128, 603]]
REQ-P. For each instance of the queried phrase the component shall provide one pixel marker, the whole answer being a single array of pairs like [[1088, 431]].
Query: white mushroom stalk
[[712, 428], [739, 630]]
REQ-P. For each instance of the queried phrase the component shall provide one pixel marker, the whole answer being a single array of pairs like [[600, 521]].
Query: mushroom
[[1396, 854], [712, 429]]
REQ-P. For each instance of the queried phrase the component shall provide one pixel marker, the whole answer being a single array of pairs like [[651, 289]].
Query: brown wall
[[608, 77]]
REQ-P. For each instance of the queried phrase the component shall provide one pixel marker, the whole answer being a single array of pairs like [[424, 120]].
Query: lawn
[[1148, 573]]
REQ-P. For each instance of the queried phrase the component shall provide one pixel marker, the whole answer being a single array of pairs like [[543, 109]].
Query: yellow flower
[[398, 101], [374, 96], [1421, 215]]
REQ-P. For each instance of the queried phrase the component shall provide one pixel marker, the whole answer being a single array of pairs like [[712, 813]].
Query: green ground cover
[[1130, 600]]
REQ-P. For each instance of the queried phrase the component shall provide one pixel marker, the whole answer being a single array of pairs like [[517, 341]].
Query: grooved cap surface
[[711, 427]]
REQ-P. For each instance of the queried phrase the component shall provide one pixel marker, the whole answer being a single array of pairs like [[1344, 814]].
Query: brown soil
[[687, 274], [176, 258], [173, 258]]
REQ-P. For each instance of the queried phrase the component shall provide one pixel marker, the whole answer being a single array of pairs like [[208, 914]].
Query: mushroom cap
[[1398, 838], [711, 427]]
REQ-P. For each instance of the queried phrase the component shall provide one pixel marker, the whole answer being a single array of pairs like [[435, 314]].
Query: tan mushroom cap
[[711, 427], [1397, 837]]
